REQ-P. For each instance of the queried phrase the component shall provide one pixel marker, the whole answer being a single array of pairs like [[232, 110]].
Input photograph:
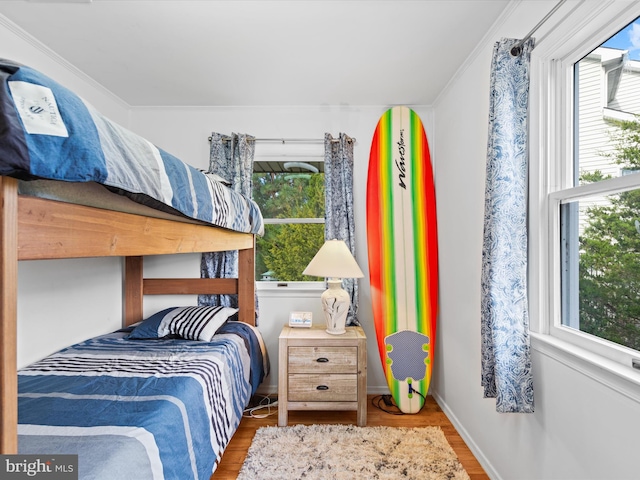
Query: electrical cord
[[387, 405], [379, 400], [265, 403]]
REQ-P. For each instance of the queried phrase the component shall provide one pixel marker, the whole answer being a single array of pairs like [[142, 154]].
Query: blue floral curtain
[[506, 359], [339, 218], [231, 157]]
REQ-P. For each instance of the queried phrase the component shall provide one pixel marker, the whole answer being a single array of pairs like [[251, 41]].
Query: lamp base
[[335, 304]]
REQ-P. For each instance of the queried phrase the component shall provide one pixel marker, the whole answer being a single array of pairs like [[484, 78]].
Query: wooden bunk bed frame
[[36, 229]]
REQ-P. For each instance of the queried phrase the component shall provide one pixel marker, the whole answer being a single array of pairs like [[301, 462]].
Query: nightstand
[[320, 371]]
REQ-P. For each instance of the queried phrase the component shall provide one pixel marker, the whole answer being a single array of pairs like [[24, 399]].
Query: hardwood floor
[[431, 414]]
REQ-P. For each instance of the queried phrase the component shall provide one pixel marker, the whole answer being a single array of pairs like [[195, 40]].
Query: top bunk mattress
[[48, 132]]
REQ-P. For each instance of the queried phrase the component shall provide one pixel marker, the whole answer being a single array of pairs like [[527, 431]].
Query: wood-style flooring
[[430, 415]]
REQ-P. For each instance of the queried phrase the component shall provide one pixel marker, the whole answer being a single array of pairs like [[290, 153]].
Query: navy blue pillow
[[149, 327]]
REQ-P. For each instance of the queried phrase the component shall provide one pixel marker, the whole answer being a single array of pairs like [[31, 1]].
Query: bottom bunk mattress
[[143, 409]]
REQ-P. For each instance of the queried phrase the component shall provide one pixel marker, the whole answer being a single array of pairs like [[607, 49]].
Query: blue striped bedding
[[143, 409], [48, 132]]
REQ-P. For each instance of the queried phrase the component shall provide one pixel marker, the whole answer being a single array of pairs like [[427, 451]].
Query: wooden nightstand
[[320, 371]]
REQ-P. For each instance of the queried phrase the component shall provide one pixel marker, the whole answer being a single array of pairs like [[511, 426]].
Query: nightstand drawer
[[323, 359], [323, 388]]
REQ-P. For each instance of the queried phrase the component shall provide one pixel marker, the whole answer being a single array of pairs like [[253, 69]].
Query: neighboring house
[[609, 90]]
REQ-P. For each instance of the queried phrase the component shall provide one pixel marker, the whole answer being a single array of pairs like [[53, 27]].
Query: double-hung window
[[288, 186], [585, 188]]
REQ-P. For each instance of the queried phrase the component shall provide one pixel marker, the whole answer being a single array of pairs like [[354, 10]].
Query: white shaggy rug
[[348, 452]]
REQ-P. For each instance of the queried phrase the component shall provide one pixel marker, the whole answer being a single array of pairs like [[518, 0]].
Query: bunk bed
[[132, 223]]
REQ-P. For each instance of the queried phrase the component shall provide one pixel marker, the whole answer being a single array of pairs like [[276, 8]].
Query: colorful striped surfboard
[[403, 254]]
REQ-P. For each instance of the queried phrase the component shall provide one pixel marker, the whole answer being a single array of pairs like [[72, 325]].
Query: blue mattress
[[49, 132], [143, 409]]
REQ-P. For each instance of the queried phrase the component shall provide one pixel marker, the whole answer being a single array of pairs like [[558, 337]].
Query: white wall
[[581, 428], [184, 132]]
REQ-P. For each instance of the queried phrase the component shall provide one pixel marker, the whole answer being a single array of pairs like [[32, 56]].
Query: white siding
[[628, 96], [593, 131]]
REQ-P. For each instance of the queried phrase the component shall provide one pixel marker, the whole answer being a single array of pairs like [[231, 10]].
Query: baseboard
[[373, 390], [477, 452], [267, 390]]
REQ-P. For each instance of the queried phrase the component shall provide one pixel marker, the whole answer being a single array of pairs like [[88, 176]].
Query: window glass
[[601, 277], [600, 218], [290, 194], [607, 97]]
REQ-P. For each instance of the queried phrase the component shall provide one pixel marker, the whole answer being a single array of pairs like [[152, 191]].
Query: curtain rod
[[516, 50], [290, 140]]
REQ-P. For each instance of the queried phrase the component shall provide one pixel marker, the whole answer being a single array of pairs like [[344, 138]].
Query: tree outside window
[[609, 266], [291, 198]]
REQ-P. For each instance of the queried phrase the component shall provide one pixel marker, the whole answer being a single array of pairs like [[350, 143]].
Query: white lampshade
[[334, 260]]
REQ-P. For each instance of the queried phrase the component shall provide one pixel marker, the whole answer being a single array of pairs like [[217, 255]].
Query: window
[[600, 231], [585, 238], [288, 185]]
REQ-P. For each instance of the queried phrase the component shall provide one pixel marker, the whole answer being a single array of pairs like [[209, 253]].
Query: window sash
[[552, 184], [273, 158], [564, 296]]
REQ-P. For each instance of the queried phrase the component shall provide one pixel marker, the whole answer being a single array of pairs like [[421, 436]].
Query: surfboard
[[403, 254]]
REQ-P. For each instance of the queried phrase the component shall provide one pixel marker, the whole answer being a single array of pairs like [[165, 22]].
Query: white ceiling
[[262, 52]]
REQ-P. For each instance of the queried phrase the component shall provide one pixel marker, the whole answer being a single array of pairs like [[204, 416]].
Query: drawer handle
[[322, 360], [322, 387]]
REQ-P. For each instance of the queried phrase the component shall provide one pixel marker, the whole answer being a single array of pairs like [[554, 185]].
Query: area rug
[[326, 452]]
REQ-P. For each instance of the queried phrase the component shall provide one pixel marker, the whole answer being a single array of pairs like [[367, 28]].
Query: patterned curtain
[[231, 158], [339, 220], [506, 361]]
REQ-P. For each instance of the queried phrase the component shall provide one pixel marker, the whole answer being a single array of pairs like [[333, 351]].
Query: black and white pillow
[[191, 323], [195, 323]]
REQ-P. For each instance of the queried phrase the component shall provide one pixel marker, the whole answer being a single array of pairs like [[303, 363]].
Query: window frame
[[283, 151], [583, 28]]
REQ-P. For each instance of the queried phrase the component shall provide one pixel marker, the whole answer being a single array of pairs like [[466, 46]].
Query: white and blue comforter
[[145, 409], [48, 132]]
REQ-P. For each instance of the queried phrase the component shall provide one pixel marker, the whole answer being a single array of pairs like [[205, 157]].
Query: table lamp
[[334, 262]]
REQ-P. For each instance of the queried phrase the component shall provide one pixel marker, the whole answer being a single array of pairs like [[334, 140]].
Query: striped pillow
[[194, 323]]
